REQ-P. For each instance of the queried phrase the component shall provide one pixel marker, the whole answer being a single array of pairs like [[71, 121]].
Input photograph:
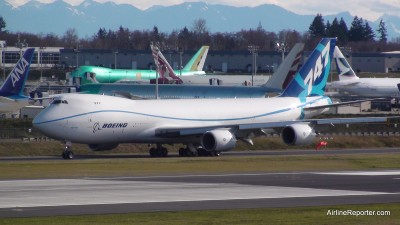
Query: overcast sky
[[367, 9]]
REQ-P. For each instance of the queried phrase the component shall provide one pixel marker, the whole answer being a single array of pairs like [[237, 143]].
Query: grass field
[[298, 215]]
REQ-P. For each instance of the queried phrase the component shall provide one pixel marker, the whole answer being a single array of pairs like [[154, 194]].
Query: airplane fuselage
[[172, 91], [94, 119], [371, 87], [93, 74]]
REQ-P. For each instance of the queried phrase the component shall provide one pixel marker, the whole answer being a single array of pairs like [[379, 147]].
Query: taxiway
[[48, 197]]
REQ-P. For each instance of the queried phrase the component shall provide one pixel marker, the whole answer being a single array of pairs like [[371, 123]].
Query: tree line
[[360, 37]]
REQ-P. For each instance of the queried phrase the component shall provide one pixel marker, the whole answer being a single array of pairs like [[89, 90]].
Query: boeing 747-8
[[205, 126]]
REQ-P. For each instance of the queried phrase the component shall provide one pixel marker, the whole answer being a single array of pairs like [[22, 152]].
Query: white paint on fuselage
[[376, 87], [100, 119]]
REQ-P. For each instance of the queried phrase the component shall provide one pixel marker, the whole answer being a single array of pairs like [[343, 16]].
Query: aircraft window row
[[58, 101]]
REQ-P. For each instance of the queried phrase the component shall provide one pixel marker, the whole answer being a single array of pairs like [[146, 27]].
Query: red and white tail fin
[[167, 74], [288, 68]]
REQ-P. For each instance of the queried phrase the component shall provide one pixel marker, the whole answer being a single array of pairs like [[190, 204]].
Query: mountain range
[[87, 17]]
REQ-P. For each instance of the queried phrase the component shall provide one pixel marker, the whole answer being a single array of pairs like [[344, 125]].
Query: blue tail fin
[[14, 84], [311, 79]]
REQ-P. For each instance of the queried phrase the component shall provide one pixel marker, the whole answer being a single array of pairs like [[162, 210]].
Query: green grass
[[298, 215], [199, 165], [54, 148]]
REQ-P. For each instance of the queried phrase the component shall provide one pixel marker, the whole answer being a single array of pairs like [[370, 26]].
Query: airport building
[[217, 61]]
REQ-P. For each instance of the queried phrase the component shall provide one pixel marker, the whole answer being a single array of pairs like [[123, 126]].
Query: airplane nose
[[38, 121]]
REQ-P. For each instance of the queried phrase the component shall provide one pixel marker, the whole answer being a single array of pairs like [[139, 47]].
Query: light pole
[[180, 49], [157, 68], [282, 48], [41, 64], [253, 50], [115, 58], [76, 50], [1, 60]]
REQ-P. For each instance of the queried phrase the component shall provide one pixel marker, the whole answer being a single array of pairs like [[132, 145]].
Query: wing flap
[[257, 127]]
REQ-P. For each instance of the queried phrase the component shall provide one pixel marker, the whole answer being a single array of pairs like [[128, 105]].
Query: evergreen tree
[[102, 33], [356, 32], [343, 32], [2, 24], [334, 29], [382, 31], [317, 27], [328, 29], [369, 34]]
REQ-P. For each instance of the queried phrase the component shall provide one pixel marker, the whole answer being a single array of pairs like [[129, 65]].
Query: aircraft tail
[[345, 72], [311, 79], [286, 71], [196, 63], [165, 70], [13, 86]]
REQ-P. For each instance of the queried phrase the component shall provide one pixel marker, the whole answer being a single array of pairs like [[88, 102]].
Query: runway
[[48, 197]]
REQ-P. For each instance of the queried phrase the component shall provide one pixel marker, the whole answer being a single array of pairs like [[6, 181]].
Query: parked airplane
[[351, 83], [11, 91], [275, 84], [94, 74], [206, 126]]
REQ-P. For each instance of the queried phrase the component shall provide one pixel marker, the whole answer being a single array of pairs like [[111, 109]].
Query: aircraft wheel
[[214, 153], [182, 152], [68, 154], [164, 152], [202, 152], [192, 153], [153, 152]]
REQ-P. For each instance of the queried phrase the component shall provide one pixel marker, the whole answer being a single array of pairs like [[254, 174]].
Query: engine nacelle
[[298, 134], [218, 140], [102, 147]]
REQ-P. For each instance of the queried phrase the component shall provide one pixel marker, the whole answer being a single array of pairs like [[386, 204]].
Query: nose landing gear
[[68, 153]]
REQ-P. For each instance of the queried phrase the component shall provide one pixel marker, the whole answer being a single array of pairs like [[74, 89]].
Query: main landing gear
[[158, 151], [68, 153]]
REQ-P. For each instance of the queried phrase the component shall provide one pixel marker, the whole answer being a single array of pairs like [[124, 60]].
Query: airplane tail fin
[[286, 71], [344, 69], [196, 63], [165, 70], [14, 84], [311, 79]]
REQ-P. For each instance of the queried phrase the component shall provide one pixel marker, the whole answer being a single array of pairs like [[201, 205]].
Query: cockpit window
[[58, 101]]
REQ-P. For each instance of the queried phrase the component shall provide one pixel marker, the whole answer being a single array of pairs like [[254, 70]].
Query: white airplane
[[368, 87], [11, 91], [205, 126]]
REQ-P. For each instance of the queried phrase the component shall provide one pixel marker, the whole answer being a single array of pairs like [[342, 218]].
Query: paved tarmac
[[49, 197]]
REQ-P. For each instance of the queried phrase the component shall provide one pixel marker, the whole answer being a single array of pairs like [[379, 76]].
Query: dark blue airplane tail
[[14, 84], [311, 79]]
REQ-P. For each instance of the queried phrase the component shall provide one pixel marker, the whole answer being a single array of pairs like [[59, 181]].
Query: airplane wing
[[128, 95], [174, 132]]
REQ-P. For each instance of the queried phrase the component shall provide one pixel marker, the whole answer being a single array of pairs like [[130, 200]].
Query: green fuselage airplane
[[95, 74]]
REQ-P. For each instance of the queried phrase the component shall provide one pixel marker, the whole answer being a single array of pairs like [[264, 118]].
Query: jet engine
[[102, 147], [218, 140], [298, 134]]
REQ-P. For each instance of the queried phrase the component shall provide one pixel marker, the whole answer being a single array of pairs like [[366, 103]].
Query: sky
[[367, 9]]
